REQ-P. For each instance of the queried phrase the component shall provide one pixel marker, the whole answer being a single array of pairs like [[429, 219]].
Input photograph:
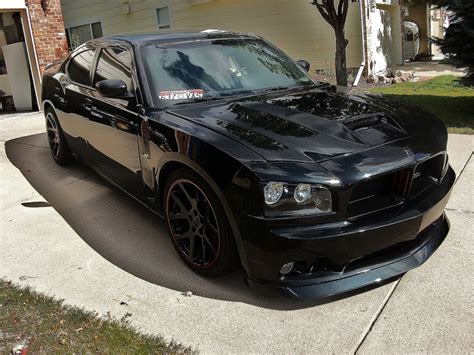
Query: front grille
[[372, 187], [392, 189], [402, 182], [373, 195], [397, 184], [426, 174]]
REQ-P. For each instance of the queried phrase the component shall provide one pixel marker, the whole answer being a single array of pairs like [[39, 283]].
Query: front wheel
[[198, 225]]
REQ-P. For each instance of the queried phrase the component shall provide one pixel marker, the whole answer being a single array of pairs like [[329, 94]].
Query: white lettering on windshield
[[181, 94]]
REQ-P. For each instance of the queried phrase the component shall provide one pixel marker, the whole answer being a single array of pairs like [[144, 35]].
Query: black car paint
[[298, 135]]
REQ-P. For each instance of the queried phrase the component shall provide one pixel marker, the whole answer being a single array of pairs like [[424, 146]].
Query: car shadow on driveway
[[122, 230]]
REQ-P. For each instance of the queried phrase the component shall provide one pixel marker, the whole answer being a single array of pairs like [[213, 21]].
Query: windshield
[[189, 72]]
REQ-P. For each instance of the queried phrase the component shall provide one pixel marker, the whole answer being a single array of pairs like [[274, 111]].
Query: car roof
[[173, 36]]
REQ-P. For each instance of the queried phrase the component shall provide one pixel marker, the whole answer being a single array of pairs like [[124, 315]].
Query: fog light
[[302, 193], [287, 268], [273, 192]]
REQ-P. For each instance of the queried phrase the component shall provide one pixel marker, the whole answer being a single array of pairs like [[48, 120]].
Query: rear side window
[[80, 66], [114, 63]]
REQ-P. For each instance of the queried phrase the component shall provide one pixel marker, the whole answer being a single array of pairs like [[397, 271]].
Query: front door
[[113, 142]]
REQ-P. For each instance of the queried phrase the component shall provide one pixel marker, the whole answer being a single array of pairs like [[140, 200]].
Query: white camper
[[411, 45]]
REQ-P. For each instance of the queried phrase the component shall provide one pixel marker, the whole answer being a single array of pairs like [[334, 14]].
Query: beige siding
[[293, 25]]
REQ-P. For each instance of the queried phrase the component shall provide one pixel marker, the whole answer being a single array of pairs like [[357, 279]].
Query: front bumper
[[349, 255]]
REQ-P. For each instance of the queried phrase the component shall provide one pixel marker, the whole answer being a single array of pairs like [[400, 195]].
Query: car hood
[[307, 125]]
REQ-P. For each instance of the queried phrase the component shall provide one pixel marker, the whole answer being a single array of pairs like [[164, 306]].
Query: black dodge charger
[[251, 162]]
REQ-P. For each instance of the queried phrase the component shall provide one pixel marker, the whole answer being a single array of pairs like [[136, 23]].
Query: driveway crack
[[376, 317], [394, 287], [464, 166], [458, 211]]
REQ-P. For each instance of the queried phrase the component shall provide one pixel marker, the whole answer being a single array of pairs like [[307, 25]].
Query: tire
[[198, 225], [57, 142]]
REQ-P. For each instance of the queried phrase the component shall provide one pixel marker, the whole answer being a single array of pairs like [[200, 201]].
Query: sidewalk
[[429, 70], [67, 233]]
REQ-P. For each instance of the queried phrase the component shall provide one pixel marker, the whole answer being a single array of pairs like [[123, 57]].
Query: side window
[[79, 67], [114, 63]]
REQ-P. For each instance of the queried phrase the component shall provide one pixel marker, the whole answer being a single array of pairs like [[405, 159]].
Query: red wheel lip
[[182, 254]]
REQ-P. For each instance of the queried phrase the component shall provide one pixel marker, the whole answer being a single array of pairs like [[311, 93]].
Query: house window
[[81, 34], [163, 17]]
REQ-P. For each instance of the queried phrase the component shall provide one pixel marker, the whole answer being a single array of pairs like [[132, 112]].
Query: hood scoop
[[374, 129]]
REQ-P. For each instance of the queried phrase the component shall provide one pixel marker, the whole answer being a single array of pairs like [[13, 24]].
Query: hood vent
[[367, 121], [375, 128]]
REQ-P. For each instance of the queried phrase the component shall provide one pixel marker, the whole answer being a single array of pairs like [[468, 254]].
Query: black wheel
[[198, 225], [57, 143]]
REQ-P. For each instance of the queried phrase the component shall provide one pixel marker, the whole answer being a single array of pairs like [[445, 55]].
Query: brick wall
[[48, 30]]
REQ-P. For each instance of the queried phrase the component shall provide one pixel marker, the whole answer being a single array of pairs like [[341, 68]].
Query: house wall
[[417, 14], [48, 31], [293, 25], [384, 37], [437, 30]]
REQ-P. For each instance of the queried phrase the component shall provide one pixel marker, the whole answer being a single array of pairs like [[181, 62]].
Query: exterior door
[[113, 141], [73, 107]]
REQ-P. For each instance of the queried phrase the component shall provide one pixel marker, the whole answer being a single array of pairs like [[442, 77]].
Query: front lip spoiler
[[373, 276]]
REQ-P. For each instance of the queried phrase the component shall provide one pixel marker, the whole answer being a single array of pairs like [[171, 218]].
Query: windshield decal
[[181, 94]]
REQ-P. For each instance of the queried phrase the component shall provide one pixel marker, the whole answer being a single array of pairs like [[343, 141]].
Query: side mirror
[[112, 88], [304, 64]]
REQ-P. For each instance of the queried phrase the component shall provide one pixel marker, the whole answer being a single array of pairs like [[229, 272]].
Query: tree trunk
[[341, 65]]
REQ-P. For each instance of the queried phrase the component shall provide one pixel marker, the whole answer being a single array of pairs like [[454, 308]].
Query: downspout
[[363, 27], [428, 31]]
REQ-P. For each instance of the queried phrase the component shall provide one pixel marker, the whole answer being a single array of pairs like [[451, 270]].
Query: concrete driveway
[[67, 233]]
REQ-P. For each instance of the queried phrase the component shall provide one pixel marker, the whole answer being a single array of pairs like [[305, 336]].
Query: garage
[[31, 36]]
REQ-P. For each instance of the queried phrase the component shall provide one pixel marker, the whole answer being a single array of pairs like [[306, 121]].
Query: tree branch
[[329, 5], [345, 10], [322, 10]]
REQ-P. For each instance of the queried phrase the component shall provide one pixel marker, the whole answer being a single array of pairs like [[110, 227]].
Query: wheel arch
[[176, 161], [48, 104]]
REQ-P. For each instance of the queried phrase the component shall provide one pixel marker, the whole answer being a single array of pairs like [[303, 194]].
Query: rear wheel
[[56, 140], [198, 225]]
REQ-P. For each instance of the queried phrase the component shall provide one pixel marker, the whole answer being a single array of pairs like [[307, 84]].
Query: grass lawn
[[445, 96], [42, 324]]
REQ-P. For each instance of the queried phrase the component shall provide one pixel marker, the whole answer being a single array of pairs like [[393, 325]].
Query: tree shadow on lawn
[[457, 112], [125, 232]]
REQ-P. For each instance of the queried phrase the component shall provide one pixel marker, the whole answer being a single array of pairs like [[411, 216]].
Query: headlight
[[302, 193], [322, 199], [273, 192], [284, 199]]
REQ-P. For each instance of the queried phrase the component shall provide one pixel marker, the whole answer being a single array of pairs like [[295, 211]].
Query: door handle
[[96, 114], [88, 104]]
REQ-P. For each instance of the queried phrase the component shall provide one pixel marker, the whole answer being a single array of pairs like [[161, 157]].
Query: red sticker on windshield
[[181, 94]]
